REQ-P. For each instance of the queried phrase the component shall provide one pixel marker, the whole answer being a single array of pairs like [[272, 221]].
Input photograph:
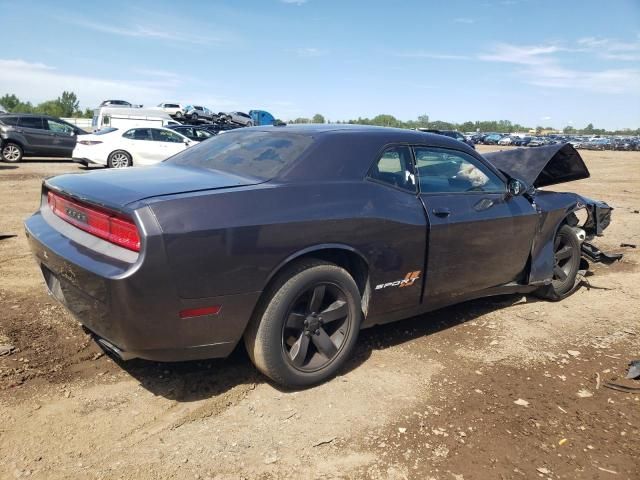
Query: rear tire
[[12, 152], [119, 159], [307, 326], [566, 265]]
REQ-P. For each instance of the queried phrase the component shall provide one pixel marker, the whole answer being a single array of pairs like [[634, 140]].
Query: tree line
[[67, 105], [498, 126]]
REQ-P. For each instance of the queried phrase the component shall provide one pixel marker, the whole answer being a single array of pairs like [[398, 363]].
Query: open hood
[[541, 166]]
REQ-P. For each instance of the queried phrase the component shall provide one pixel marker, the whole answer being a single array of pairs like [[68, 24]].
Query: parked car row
[[199, 113], [580, 142], [123, 136]]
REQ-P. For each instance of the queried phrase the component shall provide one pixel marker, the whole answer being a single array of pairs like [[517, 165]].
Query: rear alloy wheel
[[566, 253], [178, 115], [11, 152], [119, 159], [309, 326]]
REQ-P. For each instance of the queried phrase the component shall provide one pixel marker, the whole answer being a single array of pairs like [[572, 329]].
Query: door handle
[[441, 212]]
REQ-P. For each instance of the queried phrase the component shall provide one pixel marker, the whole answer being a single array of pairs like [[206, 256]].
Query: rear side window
[[260, 155], [31, 122], [138, 134], [394, 167], [9, 120], [165, 136], [202, 134], [59, 127]]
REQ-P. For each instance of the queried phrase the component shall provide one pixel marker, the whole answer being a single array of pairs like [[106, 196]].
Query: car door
[[479, 236], [168, 143], [63, 137], [140, 145], [38, 139]]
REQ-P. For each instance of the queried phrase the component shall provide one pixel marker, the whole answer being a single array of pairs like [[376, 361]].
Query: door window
[[166, 136], [32, 122], [58, 127], [138, 134], [6, 120], [395, 168], [202, 134], [448, 171]]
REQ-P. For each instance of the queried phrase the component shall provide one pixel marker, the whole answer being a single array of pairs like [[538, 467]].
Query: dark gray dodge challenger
[[294, 238]]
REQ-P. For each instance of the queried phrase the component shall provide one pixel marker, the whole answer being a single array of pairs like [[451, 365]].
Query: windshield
[[261, 155]]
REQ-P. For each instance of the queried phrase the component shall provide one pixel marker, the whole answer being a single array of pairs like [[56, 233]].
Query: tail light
[[110, 226], [89, 142]]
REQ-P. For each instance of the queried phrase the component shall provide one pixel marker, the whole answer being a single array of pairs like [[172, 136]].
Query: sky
[[535, 62]]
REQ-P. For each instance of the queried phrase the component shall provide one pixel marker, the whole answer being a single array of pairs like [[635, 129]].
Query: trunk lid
[[118, 188]]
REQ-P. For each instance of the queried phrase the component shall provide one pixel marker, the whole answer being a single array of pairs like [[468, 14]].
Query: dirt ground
[[502, 388]]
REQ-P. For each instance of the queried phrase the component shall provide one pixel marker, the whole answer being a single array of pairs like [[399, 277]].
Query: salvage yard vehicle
[[196, 133], [120, 148], [294, 238], [261, 117], [240, 118], [449, 133], [116, 103], [197, 112], [174, 110], [29, 135], [123, 117]]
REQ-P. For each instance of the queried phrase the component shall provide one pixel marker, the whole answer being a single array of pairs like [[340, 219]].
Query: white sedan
[[119, 148]]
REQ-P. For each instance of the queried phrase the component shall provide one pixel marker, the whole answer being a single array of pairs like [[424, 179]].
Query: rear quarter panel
[[231, 242]]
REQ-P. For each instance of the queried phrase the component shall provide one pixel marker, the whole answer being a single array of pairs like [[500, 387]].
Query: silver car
[[241, 118], [196, 112]]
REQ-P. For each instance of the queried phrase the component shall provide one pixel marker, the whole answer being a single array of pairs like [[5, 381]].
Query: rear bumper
[[132, 303]]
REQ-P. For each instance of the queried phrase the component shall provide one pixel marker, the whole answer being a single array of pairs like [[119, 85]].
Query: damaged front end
[[598, 218], [551, 165]]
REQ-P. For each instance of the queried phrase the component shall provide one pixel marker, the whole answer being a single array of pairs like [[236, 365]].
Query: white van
[[120, 117]]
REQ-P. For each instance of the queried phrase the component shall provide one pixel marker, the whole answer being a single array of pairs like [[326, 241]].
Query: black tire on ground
[[307, 325], [119, 159], [567, 255], [12, 152]]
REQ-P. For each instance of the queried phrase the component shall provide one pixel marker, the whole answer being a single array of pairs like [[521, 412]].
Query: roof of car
[[17, 114], [347, 151], [392, 135]]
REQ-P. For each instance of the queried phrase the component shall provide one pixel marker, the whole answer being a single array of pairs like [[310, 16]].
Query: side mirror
[[516, 187]]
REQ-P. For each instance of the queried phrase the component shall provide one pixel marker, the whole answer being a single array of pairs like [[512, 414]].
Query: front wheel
[[566, 257], [12, 152], [309, 325]]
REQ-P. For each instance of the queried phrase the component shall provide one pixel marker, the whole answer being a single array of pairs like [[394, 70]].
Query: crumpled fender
[[553, 208]]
